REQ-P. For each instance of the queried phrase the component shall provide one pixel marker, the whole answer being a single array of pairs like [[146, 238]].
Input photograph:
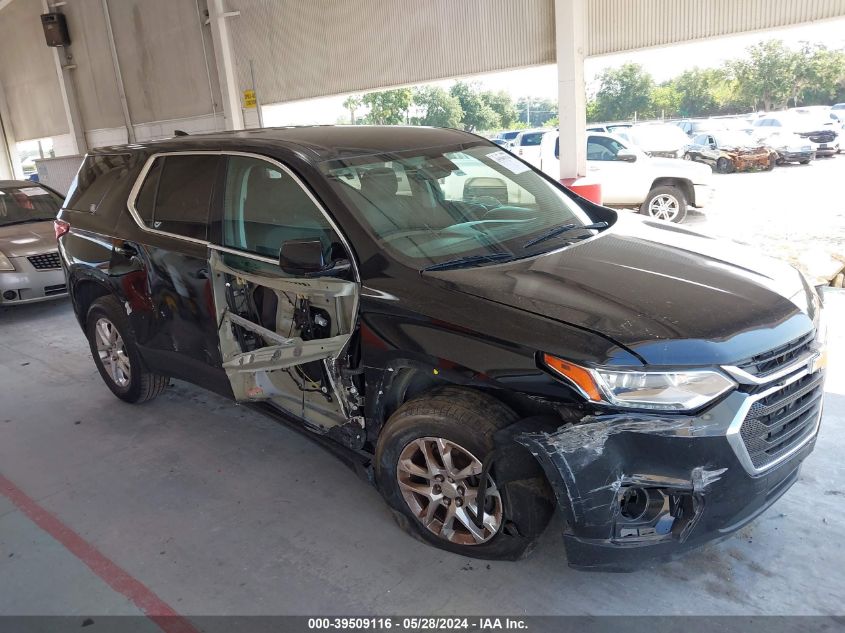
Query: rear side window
[[531, 139], [176, 194], [97, 175]]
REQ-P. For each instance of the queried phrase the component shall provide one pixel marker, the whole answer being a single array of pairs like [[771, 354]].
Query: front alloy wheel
[[439, 480], [666, 203], [664, 207], [112, 352]]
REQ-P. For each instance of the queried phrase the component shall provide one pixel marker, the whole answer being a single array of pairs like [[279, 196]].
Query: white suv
[[661, 188], [526, 145]]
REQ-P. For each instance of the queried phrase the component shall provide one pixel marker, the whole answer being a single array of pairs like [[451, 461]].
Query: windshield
[[434, 205], [27, 204]]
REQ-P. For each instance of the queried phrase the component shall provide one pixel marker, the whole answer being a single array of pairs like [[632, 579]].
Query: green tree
[[438, 107], [624, 92], [534, 111], [352, 103], [502, 104], [388, 107], [478, 115], [769, 76], [823, 74], [666, 100]]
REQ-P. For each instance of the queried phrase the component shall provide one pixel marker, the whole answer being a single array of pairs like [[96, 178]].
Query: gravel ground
[[795, 212]]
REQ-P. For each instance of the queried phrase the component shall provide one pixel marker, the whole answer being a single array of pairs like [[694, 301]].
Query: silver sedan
[[30, 269]]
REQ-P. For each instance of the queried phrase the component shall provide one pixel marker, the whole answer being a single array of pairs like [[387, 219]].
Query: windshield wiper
[[469, 260], [560, 230]]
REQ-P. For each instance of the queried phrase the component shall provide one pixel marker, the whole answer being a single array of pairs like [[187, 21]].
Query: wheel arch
[[683, 184], [84, 292]]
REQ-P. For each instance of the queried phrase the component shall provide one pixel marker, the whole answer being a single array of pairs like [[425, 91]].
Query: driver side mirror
[[302, 257], [305, 258], [626, 156]]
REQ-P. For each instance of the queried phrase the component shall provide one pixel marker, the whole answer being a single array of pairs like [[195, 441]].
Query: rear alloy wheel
[[666, 203], [116, 355], [687, 156], [723, 165], [440, 481], [112, 352]]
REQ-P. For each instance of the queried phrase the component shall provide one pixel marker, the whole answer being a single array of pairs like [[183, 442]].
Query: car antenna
[[180, 133]]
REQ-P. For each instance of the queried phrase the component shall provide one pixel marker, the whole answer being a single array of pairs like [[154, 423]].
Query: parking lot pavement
[[795, 212], [217, 510]]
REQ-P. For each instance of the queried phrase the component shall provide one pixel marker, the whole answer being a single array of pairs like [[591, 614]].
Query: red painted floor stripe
[[115, 576]]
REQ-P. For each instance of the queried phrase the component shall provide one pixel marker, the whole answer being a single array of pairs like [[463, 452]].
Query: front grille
[[58, 289], [769, 362], [45, 261], [782, 420]]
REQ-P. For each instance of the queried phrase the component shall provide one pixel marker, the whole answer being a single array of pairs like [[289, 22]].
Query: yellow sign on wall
[[249, 99]]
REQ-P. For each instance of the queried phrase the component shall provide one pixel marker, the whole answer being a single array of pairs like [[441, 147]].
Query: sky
[[541, 81]]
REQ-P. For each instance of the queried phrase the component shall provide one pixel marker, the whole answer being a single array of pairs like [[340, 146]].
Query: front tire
[[804, 162], [666, 203], [116, 354], [428, 464]]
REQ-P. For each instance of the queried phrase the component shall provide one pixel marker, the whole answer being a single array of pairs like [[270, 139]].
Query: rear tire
[[666, 203], [430, 493], [804, 162], [116, 354], [724, 166]]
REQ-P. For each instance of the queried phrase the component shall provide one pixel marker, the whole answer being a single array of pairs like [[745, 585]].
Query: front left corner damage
[[624, 482]]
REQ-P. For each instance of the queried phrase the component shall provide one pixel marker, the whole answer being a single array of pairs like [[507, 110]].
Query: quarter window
[[265, 206], [176, 194]]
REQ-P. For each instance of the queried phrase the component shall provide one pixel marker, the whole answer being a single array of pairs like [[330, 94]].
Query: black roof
[[317, 143]]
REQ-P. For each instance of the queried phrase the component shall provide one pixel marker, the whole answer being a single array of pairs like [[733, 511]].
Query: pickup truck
[[660, 188]]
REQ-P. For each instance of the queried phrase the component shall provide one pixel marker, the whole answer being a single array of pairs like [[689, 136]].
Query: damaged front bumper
[[636, 488]]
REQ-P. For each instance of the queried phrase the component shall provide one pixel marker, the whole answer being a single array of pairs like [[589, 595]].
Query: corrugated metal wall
[[28, 74], [615, 26], [163, 48], [325, 47]]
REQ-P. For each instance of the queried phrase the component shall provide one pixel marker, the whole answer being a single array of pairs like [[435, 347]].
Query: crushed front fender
[[638, 488]]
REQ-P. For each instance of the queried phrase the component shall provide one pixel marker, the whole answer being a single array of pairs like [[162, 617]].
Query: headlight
[[5, 264], [666, 391]]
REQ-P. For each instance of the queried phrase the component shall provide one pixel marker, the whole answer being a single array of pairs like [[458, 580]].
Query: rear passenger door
[[284, 338], [163, 266]]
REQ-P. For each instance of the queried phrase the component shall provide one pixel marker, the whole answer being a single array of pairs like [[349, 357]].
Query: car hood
[[671, 296], [21, 240]]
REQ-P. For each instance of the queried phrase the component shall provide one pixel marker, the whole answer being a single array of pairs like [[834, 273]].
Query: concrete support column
[[570, 38], [9, 165], [225, 59], [64, 73]]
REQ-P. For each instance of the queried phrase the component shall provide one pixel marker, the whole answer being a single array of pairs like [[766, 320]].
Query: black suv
[[485, 346]]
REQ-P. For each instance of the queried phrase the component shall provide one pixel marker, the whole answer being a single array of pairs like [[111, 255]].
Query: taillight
[[61, 227]]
